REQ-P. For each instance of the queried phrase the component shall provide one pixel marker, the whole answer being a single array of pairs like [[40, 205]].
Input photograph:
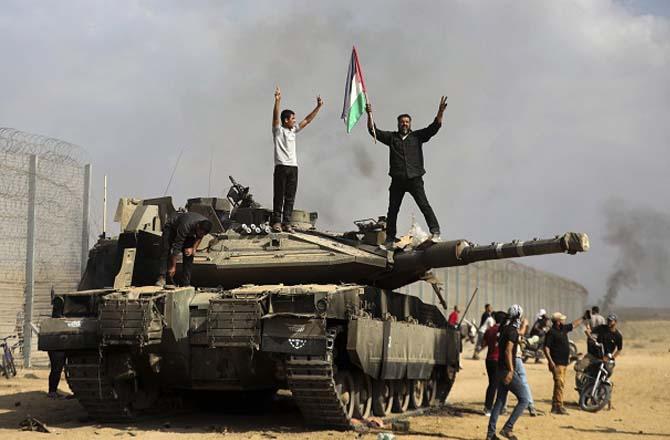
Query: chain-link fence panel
[[58, 226]]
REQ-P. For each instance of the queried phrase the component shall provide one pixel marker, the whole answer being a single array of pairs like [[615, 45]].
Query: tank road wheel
[[429, 398], [401, 396], [382, 397], [364, 393], [346, 391], [417, 391]]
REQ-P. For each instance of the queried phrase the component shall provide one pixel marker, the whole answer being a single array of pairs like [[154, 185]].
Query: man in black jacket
[[181, 235], [406, 167], [56, 358]]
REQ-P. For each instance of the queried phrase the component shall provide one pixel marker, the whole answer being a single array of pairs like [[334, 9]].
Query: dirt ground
[[641, 406]]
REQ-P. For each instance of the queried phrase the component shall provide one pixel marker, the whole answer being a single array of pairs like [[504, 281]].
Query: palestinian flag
[[355, 97]]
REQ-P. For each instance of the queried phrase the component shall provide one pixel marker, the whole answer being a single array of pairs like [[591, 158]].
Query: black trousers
[[57, 361], [397, 190], [187, 261], [285, 187], [491, 368]]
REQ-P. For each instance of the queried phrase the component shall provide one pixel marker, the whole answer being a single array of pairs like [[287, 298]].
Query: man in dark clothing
[[56, 358], [539, 329], [406, 167], [507, 378], [611, 339], [609, 336], [557, 352], [182, 233], [490, 340]]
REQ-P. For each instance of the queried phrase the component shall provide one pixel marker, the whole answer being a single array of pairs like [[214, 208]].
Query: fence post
[[458, 285], [85, 233], [30, 262]]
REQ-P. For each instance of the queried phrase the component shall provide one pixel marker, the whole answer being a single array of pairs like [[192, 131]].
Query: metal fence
[[502, 283], [44, 197]]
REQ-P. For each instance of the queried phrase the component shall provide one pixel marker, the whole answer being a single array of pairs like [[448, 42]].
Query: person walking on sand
[[490, 341], [507, 378]]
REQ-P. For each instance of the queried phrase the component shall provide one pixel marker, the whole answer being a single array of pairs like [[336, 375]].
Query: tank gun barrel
[[462, 252]]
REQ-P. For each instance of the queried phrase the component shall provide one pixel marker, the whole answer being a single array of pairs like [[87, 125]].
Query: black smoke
[[365, 163], [641, 237]]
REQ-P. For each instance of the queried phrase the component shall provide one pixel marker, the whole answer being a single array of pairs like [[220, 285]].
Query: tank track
[[312, 383], [92, 388]]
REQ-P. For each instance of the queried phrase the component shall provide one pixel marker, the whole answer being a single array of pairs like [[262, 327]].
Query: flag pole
[[365, 93], [372, 119]]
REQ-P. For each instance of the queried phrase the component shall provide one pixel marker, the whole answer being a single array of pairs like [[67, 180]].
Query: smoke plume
[[641, 237], [365, 164]]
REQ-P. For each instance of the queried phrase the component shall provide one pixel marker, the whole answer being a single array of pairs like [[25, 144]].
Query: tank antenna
[[173, 171], [104, 207], [211, 159], [465, 312]]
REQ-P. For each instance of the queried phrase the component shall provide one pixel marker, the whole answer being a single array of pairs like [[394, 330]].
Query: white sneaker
[[435, 238]]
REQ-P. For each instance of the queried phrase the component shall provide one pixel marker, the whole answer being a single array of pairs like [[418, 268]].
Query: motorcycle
[[594, 386], [534, 345]]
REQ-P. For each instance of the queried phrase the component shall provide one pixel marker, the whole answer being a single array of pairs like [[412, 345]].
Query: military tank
[[311, 311]]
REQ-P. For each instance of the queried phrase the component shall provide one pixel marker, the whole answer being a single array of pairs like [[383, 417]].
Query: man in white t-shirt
[[284, 129]]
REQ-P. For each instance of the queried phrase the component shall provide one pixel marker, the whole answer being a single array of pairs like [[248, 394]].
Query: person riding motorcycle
[[612, 344], [541, 325], [538, 333]]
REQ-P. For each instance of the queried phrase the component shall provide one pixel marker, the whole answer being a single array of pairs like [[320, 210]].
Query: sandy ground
[[641, 406]]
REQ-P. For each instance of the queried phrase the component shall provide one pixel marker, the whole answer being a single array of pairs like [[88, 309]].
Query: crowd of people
[[504, 334]]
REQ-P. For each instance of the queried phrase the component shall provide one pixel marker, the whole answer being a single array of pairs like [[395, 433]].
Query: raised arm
[[305, 122], [426, 133], [275, 110], [440, 110], [382, 136]]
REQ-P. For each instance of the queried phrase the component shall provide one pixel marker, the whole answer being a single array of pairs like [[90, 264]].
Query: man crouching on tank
[[182, 233]]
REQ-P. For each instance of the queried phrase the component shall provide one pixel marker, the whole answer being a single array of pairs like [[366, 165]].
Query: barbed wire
[[58, 207], [56, 151]]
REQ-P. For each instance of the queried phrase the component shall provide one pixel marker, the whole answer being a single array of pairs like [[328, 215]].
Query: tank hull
[[132, 351]]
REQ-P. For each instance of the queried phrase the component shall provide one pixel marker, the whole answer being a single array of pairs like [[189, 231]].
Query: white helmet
[[515, 311]]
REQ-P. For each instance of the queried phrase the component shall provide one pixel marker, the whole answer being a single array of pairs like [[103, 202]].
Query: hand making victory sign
[[441, 108]]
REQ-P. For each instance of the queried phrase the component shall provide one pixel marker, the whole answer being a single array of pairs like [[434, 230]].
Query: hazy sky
[[555, 108]]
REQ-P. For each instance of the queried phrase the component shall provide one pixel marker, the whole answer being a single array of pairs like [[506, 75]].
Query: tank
[[313, 312]]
